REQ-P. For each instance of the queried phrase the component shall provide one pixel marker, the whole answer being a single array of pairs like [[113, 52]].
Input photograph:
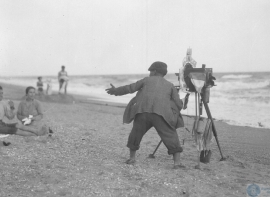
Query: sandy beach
[[86, 155]]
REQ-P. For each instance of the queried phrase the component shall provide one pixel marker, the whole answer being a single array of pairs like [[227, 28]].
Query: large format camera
[[199, 81], [203, 76], [203, 73]]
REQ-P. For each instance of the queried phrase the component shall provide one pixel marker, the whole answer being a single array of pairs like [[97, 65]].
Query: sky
[[93, 37]]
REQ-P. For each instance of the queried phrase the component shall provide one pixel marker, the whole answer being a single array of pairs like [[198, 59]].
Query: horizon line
[[124, 74]]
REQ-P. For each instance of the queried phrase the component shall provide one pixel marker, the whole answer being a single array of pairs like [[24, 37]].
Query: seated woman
[[7, 111], [30, 114]]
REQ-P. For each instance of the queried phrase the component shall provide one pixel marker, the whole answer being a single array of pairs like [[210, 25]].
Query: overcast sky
[[126, 36]]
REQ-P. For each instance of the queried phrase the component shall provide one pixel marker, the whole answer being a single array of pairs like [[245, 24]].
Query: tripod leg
[[152, 155], [198, 166], [213, 126], [195, 129]]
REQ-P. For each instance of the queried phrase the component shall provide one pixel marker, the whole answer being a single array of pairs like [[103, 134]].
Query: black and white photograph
[[134, 98]]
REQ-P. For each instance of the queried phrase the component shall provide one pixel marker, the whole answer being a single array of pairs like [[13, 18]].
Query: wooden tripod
[[198, 108]]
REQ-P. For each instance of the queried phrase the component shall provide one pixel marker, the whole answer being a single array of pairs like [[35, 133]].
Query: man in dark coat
[[157, 104]]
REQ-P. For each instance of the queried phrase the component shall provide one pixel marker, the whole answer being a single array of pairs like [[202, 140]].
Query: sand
[[86, 155]]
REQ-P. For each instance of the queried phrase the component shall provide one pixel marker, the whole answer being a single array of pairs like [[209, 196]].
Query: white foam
[[234, 112], [238, 85], [236, 76]]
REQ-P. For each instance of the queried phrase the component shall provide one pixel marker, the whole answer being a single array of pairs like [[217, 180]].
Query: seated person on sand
[[30, 114], [8, 111]]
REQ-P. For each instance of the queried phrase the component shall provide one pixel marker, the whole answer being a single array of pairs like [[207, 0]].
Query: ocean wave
[[267, 86], [253, 124], [237, 85], [236, 112], [236, 76], [257, 102]]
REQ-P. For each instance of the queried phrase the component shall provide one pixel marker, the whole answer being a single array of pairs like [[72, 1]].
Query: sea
[[237, 98]]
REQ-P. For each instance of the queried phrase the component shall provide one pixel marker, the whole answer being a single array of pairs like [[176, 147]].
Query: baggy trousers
[[145, 121]]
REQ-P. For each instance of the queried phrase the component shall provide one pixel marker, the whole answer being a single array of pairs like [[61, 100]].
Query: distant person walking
[[63, 80]]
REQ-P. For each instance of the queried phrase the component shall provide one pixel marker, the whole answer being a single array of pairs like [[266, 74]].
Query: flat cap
[[160, 67]]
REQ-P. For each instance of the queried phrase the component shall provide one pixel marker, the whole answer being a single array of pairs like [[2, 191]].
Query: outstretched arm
[[128, 89]]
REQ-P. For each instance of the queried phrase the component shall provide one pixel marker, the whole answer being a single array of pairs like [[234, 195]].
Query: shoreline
[[17, 92], [79, 98]]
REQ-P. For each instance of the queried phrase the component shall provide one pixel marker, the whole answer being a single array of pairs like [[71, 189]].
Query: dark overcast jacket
[[155, 95]]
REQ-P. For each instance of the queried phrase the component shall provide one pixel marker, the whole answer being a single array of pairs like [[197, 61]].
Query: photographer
[[157, 104]]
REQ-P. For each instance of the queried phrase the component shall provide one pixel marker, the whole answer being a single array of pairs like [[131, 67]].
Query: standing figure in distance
[[157, 104], [40, 85], [63, 80], [49, 86]]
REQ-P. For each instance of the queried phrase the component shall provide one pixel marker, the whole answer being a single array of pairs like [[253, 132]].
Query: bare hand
[[111, 90]]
